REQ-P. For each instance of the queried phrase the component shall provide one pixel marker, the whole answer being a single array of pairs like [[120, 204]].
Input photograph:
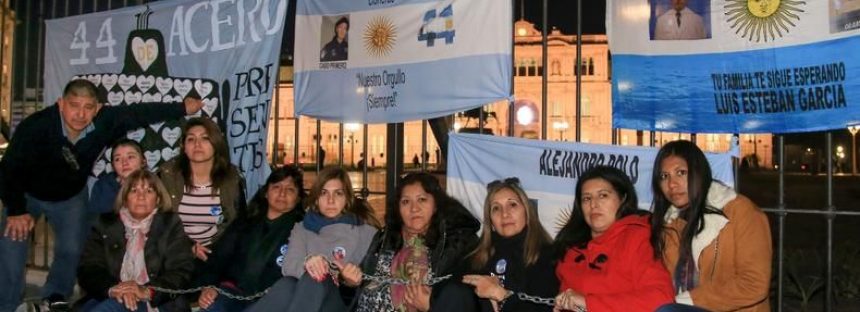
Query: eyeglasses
[[503, 182]]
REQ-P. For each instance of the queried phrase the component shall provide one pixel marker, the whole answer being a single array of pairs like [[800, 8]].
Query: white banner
[[225, 52], [383, 61], [548, 171]]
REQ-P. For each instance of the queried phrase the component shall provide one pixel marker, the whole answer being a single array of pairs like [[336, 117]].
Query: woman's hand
[[207, 297], [487, 287], [317, 267], [350, 273], [568, 300], [418, 296], [200, 251], [118, 290]]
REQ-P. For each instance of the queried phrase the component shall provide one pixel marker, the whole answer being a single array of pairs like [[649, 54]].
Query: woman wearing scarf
[[140, 247], [715, 242], [336, 231], [514, 254], [428, 234], [249, 257]]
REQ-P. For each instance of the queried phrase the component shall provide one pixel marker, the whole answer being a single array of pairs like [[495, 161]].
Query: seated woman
[[206, 190], [141, 246], [336, 230], [608, 263], [249, 257], [514, 253], [715, 242], [427, 235], [126, 157]]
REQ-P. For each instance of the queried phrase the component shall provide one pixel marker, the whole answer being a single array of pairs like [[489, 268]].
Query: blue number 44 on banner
[[438, 26]]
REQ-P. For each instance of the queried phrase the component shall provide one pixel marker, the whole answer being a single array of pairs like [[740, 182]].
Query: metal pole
[[340, 144], [365, 191], [4, 10], [320, 160], [578, 70], [513, 74], [614, 136], [80, 7], [424, 142], [543, 83], [828, 288], [781, 248], [275, 148], [26, 50], [296, 120], [653, 138], [853, 150]]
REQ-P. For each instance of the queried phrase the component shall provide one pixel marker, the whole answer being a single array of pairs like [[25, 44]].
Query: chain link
[[545, 301], [382, 280], [220, 291]]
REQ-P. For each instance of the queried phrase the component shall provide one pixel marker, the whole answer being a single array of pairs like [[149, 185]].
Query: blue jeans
[[69, 221], [110, 305], [679, 307], [305, 294]]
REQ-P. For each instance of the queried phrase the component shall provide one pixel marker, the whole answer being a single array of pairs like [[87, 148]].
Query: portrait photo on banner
[[680, 19], [334, 43], [844, 15]]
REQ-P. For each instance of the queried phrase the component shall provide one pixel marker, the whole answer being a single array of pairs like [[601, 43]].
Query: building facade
[[7, 39]]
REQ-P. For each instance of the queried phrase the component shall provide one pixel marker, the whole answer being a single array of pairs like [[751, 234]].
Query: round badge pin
[[501, 266], [279, 261], [338, 253], [215, 210], [284, 249]]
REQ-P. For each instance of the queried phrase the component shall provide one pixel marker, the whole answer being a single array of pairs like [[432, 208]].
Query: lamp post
[[560, 126], [352, 128], [853, 130]]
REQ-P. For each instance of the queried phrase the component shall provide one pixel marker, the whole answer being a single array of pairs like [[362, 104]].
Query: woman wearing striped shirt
[[207, 191]]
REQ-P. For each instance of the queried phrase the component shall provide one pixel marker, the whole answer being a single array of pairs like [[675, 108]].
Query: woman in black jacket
[[514, 254], [248, 258], [427, 235], [140, 247]]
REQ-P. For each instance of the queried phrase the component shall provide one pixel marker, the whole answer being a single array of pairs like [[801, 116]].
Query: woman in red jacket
[[607, 262]]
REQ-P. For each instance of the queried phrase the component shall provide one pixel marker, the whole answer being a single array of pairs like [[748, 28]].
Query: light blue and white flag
[[735, 66], [548, 171], [225, 52], [382, 61]]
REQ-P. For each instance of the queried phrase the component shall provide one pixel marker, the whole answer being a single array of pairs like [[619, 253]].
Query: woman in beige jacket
[[715, 243]]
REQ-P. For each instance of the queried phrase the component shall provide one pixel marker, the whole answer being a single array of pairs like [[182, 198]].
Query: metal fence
[[26, 98]]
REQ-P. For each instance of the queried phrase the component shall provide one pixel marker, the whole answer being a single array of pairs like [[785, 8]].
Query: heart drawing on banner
[[144, 52], [133, 97], [115, 98], [168, 153], [99, 167], [136, 135], [209, 106], [109, 81], [164, 84], [152, 98], [145, 82], [171, 135], [126, 82], [108, 152], [203, 88], [95, 79], [152, 158], [182, 86]]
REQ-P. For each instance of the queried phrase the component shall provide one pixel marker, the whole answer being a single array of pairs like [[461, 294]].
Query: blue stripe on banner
[[394, 89], [334, 7], [770, 90]]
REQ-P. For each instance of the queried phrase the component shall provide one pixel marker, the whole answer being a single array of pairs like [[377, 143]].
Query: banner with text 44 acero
[[735, 66], [381, 61]]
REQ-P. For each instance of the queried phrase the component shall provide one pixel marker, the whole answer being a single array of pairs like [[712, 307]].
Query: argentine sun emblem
[[379, 36], [763, 20]]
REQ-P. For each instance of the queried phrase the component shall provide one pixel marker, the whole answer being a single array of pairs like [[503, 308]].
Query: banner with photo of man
[[735, 66], [225, 52], [548, 171], [383, 61]]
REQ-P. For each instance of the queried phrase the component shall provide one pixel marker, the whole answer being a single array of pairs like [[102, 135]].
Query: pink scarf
[[133, 263]]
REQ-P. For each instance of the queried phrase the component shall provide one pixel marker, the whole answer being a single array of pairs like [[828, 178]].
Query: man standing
[[44, 171], [679, 23]]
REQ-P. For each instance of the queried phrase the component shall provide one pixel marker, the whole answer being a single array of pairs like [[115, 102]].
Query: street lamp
[[853, 130], [352, 128], [560, 126]]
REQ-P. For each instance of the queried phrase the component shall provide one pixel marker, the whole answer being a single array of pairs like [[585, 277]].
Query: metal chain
[[545, 301], [382, 280], [220, 291]]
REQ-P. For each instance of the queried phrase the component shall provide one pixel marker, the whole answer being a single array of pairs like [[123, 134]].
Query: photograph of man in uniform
[[679, 23], [844, 15], [338, 47]]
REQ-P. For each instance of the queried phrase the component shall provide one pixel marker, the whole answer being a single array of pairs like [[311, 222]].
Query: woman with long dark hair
[[716, 243], [607, 263]]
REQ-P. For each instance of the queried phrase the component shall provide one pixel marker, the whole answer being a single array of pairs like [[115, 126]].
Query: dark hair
[[536, 235], [126, 142], [356, 206], [342, 20], [221, 166], [699, 180], [393, 238], [259, 204], [577, 233], [81, 87]]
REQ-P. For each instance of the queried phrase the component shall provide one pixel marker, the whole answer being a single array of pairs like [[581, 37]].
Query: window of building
[[555, 68], [591, 66]]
